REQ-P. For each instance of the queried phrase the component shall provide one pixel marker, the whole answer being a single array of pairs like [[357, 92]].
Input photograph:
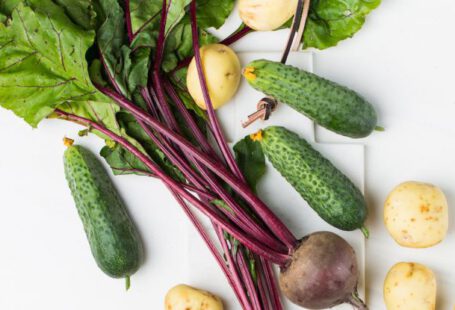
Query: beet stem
[[161, 35], [272, 285], [271, 220], [294, 29], [231, 39], [240, 217], [213, 120], [244, 238], [170, 120], [174, 158], [163, 104], [235, 278], [199, 227], [129, 27], [264, 295], [108, 73], [247, 279], [189, 187], [201, 139], [243, 298], [237, 35], [245, 221]]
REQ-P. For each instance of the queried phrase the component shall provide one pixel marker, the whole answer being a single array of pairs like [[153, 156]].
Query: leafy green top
[[52, 51], [251, 160], [330, 21], [42, 62]]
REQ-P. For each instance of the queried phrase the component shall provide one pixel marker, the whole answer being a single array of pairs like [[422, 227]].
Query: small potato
[[184, 297], [266, 15], [222, 72], [416, 214], [410, 286]]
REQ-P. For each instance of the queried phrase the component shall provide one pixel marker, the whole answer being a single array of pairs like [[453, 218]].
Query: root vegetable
[[184, 297], [322, 273], [266, 15], [410, 286], [416, 214], [222, 71]]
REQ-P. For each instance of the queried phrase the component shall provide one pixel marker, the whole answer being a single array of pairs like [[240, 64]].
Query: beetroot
[[322, 273]]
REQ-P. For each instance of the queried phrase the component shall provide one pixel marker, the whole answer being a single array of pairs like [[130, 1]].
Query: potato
[[266, 15], [416, 215], [410, 286], [184, 297], [222, 73]]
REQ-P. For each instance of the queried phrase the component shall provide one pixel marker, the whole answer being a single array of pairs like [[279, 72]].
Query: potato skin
[[222, 72], [266, 15], [416, 214], [323, 272], [184, 297], [410, 286]]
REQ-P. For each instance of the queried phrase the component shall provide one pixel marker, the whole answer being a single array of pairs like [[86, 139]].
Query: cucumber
[[326, 189], [114, 240], [330, 105]]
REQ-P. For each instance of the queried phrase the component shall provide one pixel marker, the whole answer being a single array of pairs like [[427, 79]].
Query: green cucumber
[[330, 105], [326, 189], [114, 240]]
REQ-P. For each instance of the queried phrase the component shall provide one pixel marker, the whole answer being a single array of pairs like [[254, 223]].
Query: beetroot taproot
[[322, 273]]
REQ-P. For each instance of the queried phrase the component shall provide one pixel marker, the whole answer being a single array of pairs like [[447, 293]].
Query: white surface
[[402, 60]]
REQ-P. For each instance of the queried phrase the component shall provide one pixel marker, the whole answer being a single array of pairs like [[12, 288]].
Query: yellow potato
[[222, 73], [266, 15], [416, 214], [410, 286], [184, 297]]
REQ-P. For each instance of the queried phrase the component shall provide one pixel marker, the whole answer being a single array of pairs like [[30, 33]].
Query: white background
[[402, 60]]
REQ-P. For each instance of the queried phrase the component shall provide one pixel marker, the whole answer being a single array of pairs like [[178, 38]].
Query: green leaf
[[331, 21], [138, 75], [42, 62], [252, 265], [213, 13], [190, 104], [135, 131], [7, 6], [122, 161], [179, 45], [146, 15], [251, 160], [96, 73], [81, 12], [221, 204], [111, 37], [104, 113]]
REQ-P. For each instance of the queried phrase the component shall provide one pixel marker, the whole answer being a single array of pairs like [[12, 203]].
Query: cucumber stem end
[[127, 282], [365, 231], [248, 73], [257, 136], [68, 142]]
